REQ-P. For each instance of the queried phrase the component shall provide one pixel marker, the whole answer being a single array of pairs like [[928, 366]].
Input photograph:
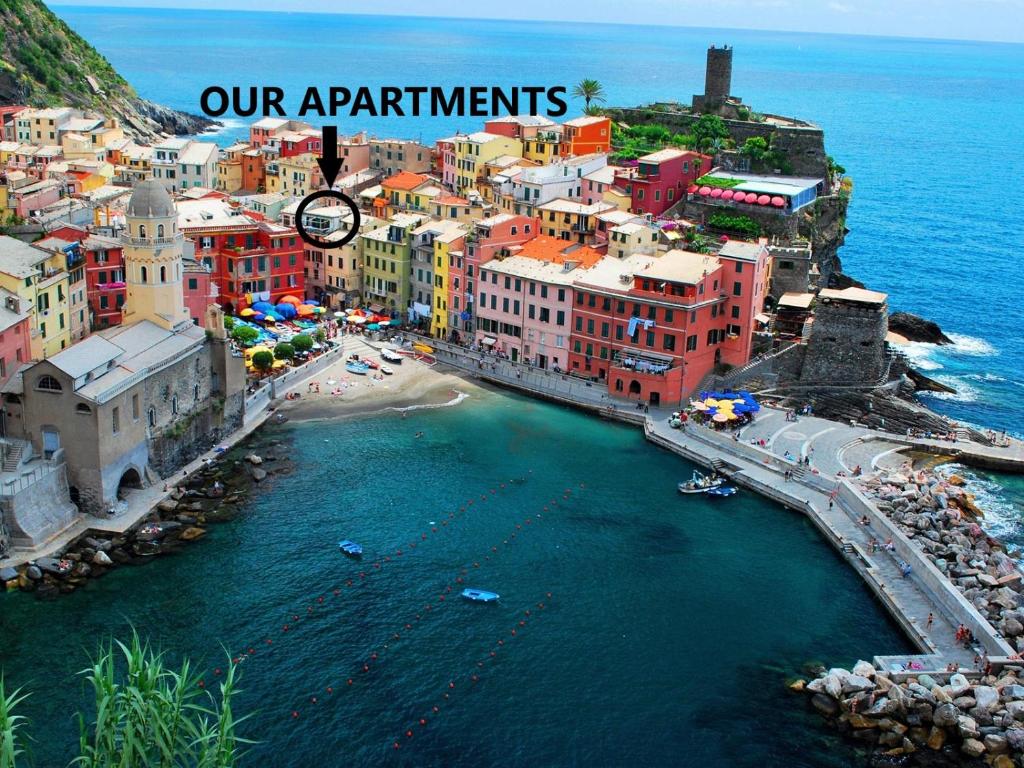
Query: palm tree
[[589, 90]]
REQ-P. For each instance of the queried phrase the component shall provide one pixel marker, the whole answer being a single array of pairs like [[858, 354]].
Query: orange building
[[586, 135], [253, 171]]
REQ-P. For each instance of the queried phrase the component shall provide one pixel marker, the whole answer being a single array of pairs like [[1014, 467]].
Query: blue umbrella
[[259, 316], [274, 316], [286, 310], [312, 302], [263, 306]]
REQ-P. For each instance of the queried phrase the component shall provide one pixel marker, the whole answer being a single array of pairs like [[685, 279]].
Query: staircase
[[719, 466], [12, 453]]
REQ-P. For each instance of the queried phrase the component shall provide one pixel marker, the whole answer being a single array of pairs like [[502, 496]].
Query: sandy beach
[[412, 385]]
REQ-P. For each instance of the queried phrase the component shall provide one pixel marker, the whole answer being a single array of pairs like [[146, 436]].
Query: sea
[[672, 625]]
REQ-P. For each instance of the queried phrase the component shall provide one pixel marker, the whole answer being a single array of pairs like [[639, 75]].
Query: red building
[[15, 334], [661, 178], [303, 143], [104, 274], [199, 289], [652, 327], [250, 260]]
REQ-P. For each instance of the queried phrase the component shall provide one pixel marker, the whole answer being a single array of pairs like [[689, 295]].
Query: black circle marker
[[350, 235]]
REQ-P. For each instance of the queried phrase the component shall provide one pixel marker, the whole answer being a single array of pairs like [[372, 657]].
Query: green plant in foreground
[[146, 714]]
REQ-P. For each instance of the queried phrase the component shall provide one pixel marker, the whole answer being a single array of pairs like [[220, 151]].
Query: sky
[[995, 20]]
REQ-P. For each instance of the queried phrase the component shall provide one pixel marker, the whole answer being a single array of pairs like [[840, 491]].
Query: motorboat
[[387, 370], [722, 491], [350, 548], [700, 483], [371, 363], [480, 595], [357, 367], [391, 355]]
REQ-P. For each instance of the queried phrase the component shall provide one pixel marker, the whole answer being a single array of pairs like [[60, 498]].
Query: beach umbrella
[[286, 310], [720, 417], [350, 311], [279, 364], [311, 302], [339, 314], [318, 310], [372, 327], [304, 310], [289, 299], [262, 306], [727, 194], [357, 319], [691, 189], [273, 317], [716, 192], [723, 239], [705, 191], [247, 312], [779, 202], [750, 197], [258, 316], [764, 199]]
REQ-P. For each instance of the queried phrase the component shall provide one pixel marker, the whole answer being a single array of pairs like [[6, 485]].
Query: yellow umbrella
[[280, 364], [247, 312]]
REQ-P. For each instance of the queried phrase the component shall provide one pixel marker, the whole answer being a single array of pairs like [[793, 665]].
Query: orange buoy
[[295, 618], [522, 623], [396, 745], [513, 631], [295, 715], [494, 653], [451, 685], [337, 592], [350, 681], [366, 667], [268, 641], [408, 734], [501, 642], [373, 656], [423, 721], [320, 599], [216, 671], [202, 684], [329, 689]]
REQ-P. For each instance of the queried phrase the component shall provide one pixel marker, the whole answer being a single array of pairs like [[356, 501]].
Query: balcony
[[642, 362]]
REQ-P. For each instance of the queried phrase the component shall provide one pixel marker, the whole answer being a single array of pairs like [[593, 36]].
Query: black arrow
[[329, 162]]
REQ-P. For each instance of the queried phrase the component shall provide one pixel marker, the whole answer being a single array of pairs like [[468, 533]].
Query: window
[[152, 417], [737, 288], [590, 327], [47, 383], [174, 404], [115, 419], [560, 318], [83, 409], [669, 342], [143, 274], [691, 343], [736, 312], [193, 284], [159, 230]]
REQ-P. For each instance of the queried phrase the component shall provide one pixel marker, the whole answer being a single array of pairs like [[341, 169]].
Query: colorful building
[[525, 301], [41, 278], [571, 220], [387, 252], [393, 156], [264, 132], [448, 246], [411, 192], [652, 327], [473, 151], [661, 179], [586, 135], [15, 334], [104, 274]]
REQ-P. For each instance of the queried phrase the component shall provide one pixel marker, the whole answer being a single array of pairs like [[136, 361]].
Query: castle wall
[[847, 344]]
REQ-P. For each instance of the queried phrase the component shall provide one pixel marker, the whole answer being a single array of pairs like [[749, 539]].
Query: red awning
[[779, 202], [705, 191], [691, 189], [764, 199], [727, 194], [750, 197], [716, 192]]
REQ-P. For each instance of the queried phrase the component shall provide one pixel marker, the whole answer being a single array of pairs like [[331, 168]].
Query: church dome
[[150, 200]]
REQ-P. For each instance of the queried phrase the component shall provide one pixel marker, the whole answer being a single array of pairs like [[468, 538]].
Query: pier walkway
[[910, 600]]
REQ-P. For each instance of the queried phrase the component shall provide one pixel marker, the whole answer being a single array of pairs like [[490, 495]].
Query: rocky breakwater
[[939, 516], [947, 721], [213, 494]]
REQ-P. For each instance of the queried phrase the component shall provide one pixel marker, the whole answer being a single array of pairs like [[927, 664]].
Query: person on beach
[[930, 621]]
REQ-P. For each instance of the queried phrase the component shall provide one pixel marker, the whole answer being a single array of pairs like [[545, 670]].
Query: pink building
[[444, 154], [29, 198], [354, 153], [14, 334], [518, 126], [525, 300], [199, 289], [661, 178]]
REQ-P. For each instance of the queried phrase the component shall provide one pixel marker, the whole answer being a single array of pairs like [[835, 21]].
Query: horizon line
[[168, 6]]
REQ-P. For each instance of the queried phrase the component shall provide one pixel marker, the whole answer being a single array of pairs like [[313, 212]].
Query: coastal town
[[647, 265]]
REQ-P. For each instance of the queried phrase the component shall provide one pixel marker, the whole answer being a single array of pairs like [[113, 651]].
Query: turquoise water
[[672, 624]]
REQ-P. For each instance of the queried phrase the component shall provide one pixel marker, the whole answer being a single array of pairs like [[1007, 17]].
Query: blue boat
[[354, 366], [350, 548], [480, 595], [724, 490]]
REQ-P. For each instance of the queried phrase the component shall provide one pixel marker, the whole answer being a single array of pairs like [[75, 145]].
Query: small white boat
[[480, 595], [387, 370], [699, 483], [391, 355]]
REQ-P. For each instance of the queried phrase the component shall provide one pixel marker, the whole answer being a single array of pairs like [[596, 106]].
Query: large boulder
[[986, 697], [826, 705], [1015, 739], [972, 748], [958, 685], [102, 558], [855, 684], [864, 669], [945, 716]]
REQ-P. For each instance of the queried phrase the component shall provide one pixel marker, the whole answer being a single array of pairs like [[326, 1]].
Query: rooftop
[[558, 251], [795, 301], [678, 266], [562, 205], [404, 180], [740, 249], [853, 295], [527, 120], [664, 154], [579, 122], [19, 259]]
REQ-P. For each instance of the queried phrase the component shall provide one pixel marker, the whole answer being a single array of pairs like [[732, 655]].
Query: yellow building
[[446, 242], [543, 146], [40, 277], [409, 192], [474, 151], [77, 146], [298, 175], [4, 203], [229, 168], [7, 150], [570, 220]]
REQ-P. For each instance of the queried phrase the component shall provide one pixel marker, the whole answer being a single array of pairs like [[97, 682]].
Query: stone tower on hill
[[847, 342], [717, 81], [152, 259]]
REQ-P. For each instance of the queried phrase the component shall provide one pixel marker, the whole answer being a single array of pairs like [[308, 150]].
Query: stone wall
[[40, 510], [847, 345], [195, 434], [791, 270], [773, 223]]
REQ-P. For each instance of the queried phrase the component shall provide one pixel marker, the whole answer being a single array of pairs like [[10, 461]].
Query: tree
[[146, 714], [284, 351], [303, 342], [229, 322], [245, 334], [707, 128], [755, 147], [320, 335], [263, 361], [589, 90]]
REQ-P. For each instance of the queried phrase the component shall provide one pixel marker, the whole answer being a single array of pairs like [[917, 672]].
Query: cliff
[[43, 62]]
